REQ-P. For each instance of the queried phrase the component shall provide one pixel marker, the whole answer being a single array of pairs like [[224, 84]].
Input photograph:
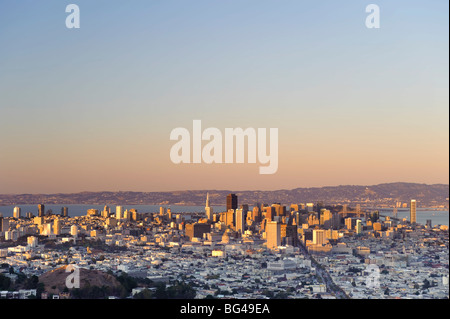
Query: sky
[[92, 109]]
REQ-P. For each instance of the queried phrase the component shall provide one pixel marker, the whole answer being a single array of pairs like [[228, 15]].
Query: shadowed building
[[197, 230], [41, 210], [232, 201]]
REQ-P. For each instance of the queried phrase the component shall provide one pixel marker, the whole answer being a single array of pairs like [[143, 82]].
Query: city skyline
[[91, 109], [272, 251]]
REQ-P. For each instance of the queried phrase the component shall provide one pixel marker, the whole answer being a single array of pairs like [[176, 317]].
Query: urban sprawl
[[262, 251]]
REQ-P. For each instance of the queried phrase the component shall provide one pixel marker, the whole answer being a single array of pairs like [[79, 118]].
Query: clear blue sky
[[92, 108]]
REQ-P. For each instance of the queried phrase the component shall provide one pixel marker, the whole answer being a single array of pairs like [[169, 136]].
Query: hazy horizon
[[93, 108], [220, 190]]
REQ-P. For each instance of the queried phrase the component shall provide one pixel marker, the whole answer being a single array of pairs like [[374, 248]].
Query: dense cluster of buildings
[[264, 251]]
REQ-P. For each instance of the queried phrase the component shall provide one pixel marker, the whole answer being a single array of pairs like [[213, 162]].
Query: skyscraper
[[64, 212], [240, 220], [319, 237], [208, 208], [57, 227], [273, 235], [412, 211], [232, 201], [41, 210], [119, 212], [358, 227]]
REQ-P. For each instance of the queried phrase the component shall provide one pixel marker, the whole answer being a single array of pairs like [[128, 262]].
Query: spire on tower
[[207, 200]]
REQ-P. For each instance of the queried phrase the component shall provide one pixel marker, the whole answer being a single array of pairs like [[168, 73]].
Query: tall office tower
[[358, 226], [64, 212], [74, 230], [269, 213], [106, 211], [232, 201], [16, 212], [240, 220], [41, 210], [126, 214], [394, 212], [289, 235], [119, 212], [279, 210], [412, 211], [358, 208], [169, 214], [208, 208], [349, 223], [57, 226], [256, 214], [326, 218], [319, 237], [162, 211], [273, 235]]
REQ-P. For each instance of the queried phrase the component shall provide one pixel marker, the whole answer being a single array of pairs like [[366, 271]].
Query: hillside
[[55, 280], [382, 194]]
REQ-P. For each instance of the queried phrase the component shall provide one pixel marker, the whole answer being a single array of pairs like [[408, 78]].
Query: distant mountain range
[[388, 194]]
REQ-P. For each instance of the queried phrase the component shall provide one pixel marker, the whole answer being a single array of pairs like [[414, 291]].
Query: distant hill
[[382, 194]]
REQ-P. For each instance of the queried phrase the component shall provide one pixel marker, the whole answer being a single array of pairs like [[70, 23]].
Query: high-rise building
[[269, 213], [256, 214], [350, 223], [358, 226], [319, 237], [326, 218], [4, 224], [64, 212], [57, 226], [232, 201], [288, 234], [119, 212], [273, 235], [41, 210], [240, 220], [74, 230], [16, 212], [412, 211], [279, 209], [197, 230], [208, 208], [106, 211]]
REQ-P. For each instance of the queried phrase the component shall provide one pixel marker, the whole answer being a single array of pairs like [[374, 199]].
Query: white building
[[16, 212]]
